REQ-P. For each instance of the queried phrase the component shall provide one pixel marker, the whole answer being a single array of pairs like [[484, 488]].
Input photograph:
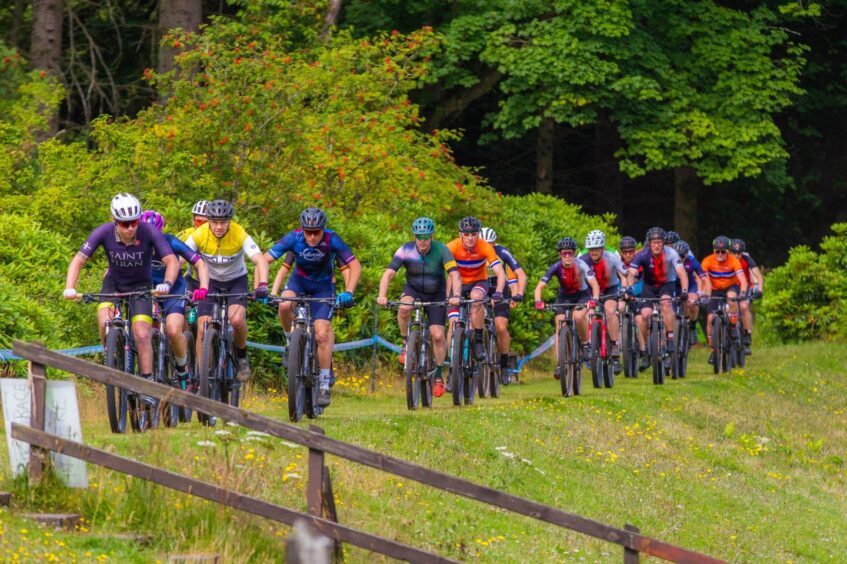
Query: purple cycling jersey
[[313, 263], [657, 271], [129, 265], [572, 279]]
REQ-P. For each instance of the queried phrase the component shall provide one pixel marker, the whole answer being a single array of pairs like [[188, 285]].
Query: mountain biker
[[512, 295], [426, 261], [755, 285], [697, 283], [577, 285], [129, 247], [173, 310], [223, 243], [726, 279], [315, 250], [199, 217]]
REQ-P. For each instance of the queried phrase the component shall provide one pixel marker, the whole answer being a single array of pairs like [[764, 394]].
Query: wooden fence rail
[[630, 539]]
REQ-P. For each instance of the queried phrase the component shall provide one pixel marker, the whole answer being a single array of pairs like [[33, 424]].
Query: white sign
[[61, 418]]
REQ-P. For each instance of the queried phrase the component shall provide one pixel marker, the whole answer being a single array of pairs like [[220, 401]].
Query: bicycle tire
[[162, 412], [116, 398], [628, 351], [594, 361], [656, 353], [675, 356], [576, 362], [495, 369], [472, 377], [716, 344], [484, 367], [209, 377], [425, 383], [725, 366], [608, 368], [410, 370], [185, 413], [563, 358], [457, 379], [295, 374]]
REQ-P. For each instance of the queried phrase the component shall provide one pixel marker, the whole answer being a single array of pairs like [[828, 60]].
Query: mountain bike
[[489, 384], [726, 339], [629, 340], [600, 359], [464, 368], [420, 360], [679, 357], [218, 360], [569, 350], [657, 341], [302, 367], [164, 365], [119, 353]]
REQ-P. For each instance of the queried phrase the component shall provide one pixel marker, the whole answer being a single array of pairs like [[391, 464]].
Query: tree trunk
[[46, 51], [544, 156], [686, 196], [332, 12], [182, 14], [608, 178], [450, 109], [17, 17]]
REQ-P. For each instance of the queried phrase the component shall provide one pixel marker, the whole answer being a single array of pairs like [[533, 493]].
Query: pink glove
[[539, 305], [199, 294]]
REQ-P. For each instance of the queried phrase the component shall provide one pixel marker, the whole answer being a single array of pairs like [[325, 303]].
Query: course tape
[[542, 348]]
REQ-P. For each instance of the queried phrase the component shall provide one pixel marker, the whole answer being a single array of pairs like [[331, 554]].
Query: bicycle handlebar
[[416, 304], [90, 297]]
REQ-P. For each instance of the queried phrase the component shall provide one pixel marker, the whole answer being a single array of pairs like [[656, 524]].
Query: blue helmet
[[312, 218], [423, 226]]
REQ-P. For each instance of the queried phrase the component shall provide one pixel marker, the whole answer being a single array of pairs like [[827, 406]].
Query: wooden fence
[[319, 498]]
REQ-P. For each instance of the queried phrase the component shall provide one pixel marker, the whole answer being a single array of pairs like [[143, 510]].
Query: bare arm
[[73, 270], [521, 281], [501, 277], [352, 281], [202, 273], [280, 278], [171, 268], [384, 282], [260, 272], [683, 277], [595, 288], [538, 289]]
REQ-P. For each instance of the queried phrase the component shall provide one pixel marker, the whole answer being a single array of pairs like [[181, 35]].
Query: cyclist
[[513, 294], [626, 250], [472, 255], [129, 247], [755, 283], [697, 283], [577, 285], [173, 310], [726, 279], [199, 214], [611, 275], [315, 250], [222, 243], [661, 267], [426, 260], [671, 238]]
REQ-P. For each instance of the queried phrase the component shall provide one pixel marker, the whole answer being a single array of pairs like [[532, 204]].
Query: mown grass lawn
[[745, 467]]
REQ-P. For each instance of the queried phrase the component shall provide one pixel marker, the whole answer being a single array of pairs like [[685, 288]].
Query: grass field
[[745, 467]]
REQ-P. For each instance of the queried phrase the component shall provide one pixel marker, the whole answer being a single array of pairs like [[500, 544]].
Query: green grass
[[745, 467]]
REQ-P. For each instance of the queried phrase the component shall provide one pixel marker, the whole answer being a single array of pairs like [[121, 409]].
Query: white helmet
[[200, 208], [595, 239], [126, 207], [488, 234]]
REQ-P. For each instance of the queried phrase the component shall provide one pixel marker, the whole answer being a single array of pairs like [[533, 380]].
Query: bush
[[805, 297]]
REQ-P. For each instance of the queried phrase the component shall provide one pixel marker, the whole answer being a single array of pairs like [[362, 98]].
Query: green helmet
[[423, 226]]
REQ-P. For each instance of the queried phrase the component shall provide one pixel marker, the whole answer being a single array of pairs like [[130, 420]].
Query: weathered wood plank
[[220, 495], [314, 487], [630, 556], [67, 521], [37, 391]]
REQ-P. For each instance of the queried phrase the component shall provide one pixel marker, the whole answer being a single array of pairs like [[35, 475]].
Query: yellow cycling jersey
[[185, 234], [224, 257]]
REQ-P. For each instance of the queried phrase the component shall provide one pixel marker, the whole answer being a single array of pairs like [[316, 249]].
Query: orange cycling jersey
[[472, 264], [722, 275]]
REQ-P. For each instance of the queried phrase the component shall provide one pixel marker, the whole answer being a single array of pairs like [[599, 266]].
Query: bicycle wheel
[[629, 348], [410, 369], [494, 368], [425, 383], [676, 355], [594, 359], [656, 352], [607, 368], [116, 398], [484, 367], [457, 378], [161, 411], [740, 357], [186, 412], [210, 377], [564, 361], [717, 343], [576, 362], [295, 370]]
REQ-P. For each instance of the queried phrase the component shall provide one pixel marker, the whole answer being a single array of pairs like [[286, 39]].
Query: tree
[[46, 50], [176, 14]]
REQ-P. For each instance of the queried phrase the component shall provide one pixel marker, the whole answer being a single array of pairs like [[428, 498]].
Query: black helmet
[[655, 233], [219, 209], [738, 246], [469, 224], [721, 243], [682, 248], [627, 243], [312, 218], [671, 237], [566, 243]]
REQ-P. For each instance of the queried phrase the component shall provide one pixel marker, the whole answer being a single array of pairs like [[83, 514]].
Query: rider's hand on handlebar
[[757, 294], [261, 292], [163, 288], [683, 295], [344, 300], [539, 305], [497, 296], [199, 294], [517, 298], [591, 304], [70, 294], [382, 300], [454, 300], [705, 299]]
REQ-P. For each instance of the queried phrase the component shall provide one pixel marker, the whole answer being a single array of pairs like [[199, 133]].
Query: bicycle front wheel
[[565, 364], [594, 358], [116, 398], [210, 378], [656, 352], [494, 366], [413, 341], [185, 412], [425, 382], [629, 348], [296, 377], [457, 378]]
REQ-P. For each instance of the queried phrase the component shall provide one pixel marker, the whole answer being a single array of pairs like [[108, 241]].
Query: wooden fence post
[[314, 487], [630, 556], [375, 347], [37, 390]]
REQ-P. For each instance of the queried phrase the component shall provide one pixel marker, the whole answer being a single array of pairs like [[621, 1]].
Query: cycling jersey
[[693, 270], [657, 271], [185, 234], [572, 279], [180, 249], [132, 264], [607, 270], [472, 263], [313, 263], [511, 264], [724, 274], [224, 257], [424, 273], [747, 263]]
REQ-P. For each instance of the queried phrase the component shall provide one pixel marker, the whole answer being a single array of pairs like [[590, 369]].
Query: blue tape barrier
[[7, 356], [542, 348]]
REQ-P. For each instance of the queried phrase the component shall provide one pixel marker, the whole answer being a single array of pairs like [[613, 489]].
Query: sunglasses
[[423, 237], [718, 252], [311, 232], [470, 235], [198, 221], [566, 253], [127, 224]]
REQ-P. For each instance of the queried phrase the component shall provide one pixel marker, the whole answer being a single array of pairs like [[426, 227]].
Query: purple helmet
[[154, 217]]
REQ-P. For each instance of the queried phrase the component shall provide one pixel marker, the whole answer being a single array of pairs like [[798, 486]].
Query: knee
[[141, 334], [437, 334], [323, 335]]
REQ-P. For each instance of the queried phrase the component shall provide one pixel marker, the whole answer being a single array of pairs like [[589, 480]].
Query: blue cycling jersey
[[313, 263]]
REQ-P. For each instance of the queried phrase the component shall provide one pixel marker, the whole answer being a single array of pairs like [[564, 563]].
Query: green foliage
[[806, 298]]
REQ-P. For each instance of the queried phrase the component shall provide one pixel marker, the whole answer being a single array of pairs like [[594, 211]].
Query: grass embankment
[[746, 467]]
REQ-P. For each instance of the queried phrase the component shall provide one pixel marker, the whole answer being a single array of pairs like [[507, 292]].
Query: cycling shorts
[[483, 285], [502, 308], [653, 292], [435, 314], [577, 298], [175, 305], [311, 289], [712, 306], [237, 285], [140, 308], [610, 294]]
